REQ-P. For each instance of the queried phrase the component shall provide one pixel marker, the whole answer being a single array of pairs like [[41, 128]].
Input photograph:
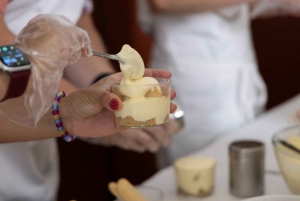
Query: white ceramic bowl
[[275, 198]]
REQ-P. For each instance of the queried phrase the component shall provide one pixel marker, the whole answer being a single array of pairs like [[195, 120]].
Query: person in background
[[34, 165], [207, 47]]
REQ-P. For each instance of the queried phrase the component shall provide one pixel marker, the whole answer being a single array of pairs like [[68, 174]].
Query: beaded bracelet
[[57, 119]]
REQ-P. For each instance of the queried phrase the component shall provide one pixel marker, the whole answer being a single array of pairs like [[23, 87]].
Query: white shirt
[[30, 170], [214, 71]]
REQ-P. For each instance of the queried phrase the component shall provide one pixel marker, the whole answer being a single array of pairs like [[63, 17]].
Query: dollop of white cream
[[135, 87], [134, 67], [133, 71]]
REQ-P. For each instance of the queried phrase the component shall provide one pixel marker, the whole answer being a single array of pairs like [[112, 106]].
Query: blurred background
[[87, 169]]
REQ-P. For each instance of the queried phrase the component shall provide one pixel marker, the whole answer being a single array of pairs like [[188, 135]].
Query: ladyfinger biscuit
[[128, 192], [112, 186], [153, 93]]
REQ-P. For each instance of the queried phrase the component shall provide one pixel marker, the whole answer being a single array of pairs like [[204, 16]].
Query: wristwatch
[[17, 65]]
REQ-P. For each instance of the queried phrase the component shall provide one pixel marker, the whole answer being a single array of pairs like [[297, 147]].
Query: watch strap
[[18, 84]]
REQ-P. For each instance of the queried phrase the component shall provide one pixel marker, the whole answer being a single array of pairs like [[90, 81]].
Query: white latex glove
[[51, 42]]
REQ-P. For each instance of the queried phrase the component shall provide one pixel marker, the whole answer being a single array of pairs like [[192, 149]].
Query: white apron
[[30, 170], [214, 73]]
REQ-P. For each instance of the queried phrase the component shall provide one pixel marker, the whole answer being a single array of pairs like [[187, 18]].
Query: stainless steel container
[[246, 168]]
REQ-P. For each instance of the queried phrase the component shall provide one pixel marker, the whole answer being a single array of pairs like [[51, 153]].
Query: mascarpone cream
[[143, 109], [135, 88]]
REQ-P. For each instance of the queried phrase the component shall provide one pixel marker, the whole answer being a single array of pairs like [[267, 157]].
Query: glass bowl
[[288, 159], [150, 193], [145, 105], [275, 198]]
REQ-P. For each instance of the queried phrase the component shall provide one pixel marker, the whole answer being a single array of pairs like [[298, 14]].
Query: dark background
[[87, 169]]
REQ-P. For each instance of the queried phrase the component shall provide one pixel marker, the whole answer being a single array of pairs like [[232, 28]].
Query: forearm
[[7, 37], [11, 132], [83, 73], [188, 6], [4, 82], [66, 86], [273, 8]]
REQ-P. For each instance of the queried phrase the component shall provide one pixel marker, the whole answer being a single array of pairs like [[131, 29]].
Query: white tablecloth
[[260, 129]]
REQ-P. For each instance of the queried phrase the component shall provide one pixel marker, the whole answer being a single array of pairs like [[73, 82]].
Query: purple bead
[[55, 112], [59, 125]]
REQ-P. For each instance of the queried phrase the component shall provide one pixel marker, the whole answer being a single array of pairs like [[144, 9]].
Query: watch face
[[12, 56]]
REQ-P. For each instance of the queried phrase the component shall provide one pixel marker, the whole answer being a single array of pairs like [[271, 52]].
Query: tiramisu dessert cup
[[145, 100], [195, 175]]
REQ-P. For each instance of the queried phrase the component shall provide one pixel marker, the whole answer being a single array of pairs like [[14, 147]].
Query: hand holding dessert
[[50, 42], [145, 100], [91, 109]]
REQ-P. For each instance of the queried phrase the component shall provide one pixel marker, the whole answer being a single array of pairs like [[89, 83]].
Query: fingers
[[173, 108], [173, 94], [172, 127], [116, 76], [159, 134], [110, 101], [128, 144], [148, 73], [146, 140], [298, 113], [157, 73], [138, 140], [86, 50]]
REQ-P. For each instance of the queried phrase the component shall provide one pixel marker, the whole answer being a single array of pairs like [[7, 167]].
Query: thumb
[[111, 101], [86, 46]]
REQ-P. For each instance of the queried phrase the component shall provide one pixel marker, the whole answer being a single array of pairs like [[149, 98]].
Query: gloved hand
[[51, 42]]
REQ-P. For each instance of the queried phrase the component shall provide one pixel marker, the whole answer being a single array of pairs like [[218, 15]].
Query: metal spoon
[[289, 146], [108, 56]]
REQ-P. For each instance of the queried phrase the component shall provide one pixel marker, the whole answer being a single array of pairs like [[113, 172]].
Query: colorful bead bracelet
[[57, 119]]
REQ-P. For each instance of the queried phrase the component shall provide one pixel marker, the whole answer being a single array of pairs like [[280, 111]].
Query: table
[[260, 129]]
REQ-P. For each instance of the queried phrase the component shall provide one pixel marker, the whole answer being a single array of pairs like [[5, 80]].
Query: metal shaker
[[246, 168]]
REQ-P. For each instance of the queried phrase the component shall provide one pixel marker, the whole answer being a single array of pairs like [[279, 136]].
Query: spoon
[[108, 56], [289, 146]]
